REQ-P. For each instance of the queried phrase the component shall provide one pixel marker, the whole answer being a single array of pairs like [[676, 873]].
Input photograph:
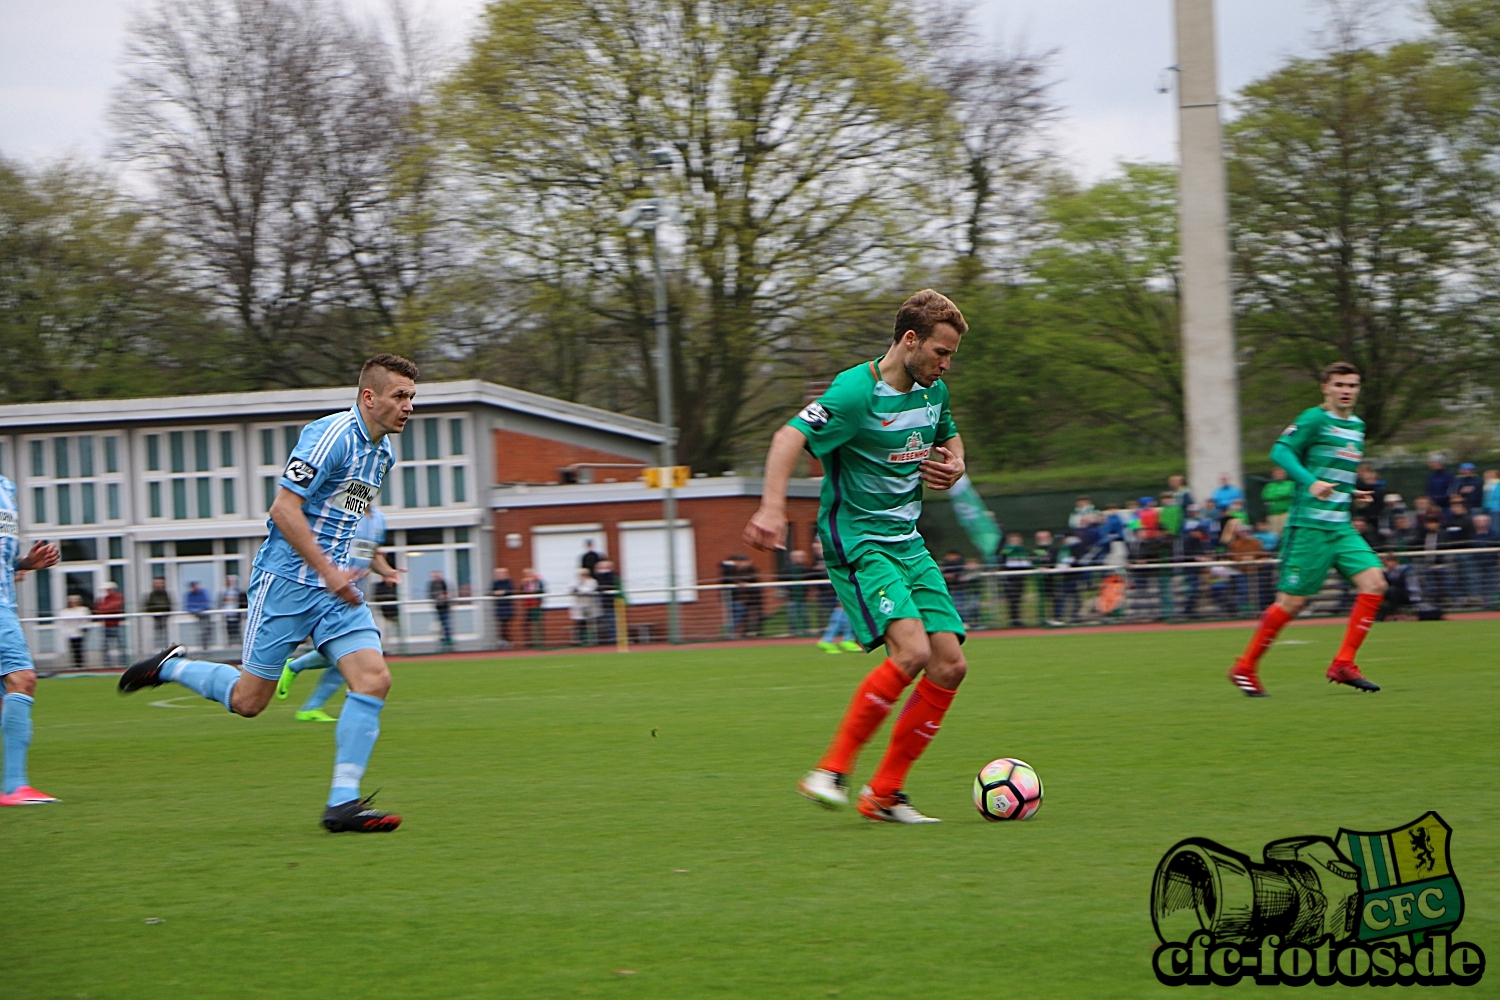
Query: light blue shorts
[[283, 613], [13, 652]]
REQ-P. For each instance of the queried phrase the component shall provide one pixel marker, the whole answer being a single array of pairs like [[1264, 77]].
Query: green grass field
[[551, 840]]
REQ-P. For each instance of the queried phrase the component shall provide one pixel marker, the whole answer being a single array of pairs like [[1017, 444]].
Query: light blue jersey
[[10, 542], [337, 470], [368, 535]]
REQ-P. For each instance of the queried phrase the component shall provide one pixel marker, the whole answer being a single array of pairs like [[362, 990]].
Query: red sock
[[1360, 620], [914, 729], [867, 710], [1271, 624]]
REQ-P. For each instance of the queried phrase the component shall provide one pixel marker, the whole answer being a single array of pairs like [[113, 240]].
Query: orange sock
[[867, 710], [1271, 624], [914, 729], [1360, 619]]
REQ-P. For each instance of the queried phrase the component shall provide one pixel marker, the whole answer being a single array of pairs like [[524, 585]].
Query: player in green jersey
[[883, 432], [1321, 452]]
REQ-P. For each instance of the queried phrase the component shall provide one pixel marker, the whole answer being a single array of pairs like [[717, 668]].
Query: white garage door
[[556, 551], [643, 561]]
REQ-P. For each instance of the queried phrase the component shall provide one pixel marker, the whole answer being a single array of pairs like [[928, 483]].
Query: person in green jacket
[[1277, 495]]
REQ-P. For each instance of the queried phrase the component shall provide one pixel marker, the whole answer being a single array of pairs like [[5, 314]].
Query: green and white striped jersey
[[1331, 447], [872, 441]]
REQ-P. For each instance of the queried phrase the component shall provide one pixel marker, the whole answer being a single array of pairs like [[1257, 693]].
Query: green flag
[[976, 518]]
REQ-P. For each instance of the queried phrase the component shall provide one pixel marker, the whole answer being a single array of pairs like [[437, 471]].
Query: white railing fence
[[1426, 581]]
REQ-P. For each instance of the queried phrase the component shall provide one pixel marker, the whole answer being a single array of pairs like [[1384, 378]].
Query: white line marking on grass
[[167, 702]]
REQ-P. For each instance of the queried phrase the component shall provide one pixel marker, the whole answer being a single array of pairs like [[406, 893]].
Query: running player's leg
[[921, 718], [15, 714], [279, 617], [1360, 566], [347, 636], [868, 594], [313, 660], [328, 686], [1306, 557]]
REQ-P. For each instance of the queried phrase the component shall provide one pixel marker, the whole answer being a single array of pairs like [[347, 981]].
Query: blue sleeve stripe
[[332, 435]]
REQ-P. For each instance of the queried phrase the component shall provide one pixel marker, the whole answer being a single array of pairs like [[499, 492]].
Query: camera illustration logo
[[1377, 908]]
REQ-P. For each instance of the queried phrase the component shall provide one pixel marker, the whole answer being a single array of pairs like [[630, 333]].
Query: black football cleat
[[356, 816], [147, 673], [1345, 672]]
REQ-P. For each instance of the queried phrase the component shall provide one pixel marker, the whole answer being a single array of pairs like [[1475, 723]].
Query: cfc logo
[[1361, 908]]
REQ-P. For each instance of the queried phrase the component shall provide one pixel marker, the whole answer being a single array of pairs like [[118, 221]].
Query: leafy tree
[[90, 303], [1360, 186], [797, 135], [1085, 354]]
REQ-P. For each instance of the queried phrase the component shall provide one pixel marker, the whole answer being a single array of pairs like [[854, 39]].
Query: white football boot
[[826, 788], [893, 808]]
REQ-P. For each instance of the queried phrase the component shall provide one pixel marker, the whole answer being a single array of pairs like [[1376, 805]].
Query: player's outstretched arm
[[42, 555], [767, 529], [1284, 455], [286, 514]]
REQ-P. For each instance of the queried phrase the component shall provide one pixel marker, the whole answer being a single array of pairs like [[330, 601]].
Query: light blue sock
[[15, 725], [357, 731], [308, 661], [214, 681], [328, 686]]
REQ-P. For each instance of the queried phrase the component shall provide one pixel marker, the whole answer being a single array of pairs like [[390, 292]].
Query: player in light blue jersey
[[15, 659], [302, 584], [364, 556]]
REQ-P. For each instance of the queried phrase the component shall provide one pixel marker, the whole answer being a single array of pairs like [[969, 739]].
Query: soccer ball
[[1007, 789]]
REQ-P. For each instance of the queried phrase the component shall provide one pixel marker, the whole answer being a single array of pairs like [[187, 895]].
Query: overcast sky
[[59, 58]]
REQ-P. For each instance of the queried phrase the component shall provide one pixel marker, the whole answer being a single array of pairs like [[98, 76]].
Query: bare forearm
[[781, 462], [955, 445], [381, 566], [286, 514]]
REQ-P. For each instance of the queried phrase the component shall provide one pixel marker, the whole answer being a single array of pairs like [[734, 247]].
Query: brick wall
[[525, 458], [718, 524]]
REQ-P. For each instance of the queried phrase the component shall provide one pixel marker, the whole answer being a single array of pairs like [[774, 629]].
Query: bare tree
[[285, 151], [1001, 99]]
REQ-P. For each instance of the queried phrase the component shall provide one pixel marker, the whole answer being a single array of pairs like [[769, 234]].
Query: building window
[[190, 450], [432, 460], [68, 468], [276, 445], [409, 487], [112, 494], [226, 449]]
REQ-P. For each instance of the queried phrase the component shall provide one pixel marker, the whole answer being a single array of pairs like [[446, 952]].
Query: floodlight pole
[[668, 429], [1210, 380]]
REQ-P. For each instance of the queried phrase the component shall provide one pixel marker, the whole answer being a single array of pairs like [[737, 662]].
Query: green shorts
[[878, 588], [1307, 554]]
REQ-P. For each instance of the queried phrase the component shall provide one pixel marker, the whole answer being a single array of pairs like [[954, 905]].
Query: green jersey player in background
[[1321, 452], [882, 432]]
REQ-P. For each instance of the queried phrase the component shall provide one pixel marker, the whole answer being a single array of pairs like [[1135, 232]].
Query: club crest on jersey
[[355, 496], [814, 416], [916, 449], [300, 472], [932, 414]]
